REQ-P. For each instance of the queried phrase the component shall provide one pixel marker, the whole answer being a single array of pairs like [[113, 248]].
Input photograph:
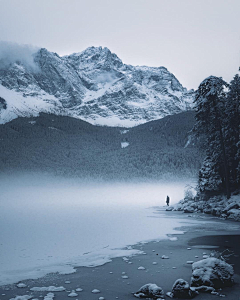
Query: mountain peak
[[93, 85], [100, 56]]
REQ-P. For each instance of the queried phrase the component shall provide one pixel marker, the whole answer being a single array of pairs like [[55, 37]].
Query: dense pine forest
[[218, 125], [66, 146]]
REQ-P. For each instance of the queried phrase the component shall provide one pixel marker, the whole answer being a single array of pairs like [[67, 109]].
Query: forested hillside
[[67, 146]]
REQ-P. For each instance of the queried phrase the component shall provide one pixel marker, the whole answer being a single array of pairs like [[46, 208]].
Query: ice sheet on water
[[48, 289], [24, 297], [31, 215]]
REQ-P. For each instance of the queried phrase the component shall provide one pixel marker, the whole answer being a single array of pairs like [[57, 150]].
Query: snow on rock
[[174, 238], [125, 277], [230, 206], [189, 210], [150, 290], [93, 85], [22, 105], [21, 285], [218, 206], [212, 272], [101, 298], [165, 257], [24, 297], [32, 122], [124, 131], [95, 291], [141, 268], [190, 262], [73, 294], [124, 144], [79, 290], [169, 208], [181, 289], [48, 289], [234, 214], [49, 296]]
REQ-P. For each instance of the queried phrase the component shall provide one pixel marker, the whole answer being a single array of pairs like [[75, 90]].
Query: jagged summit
[[94, 85]]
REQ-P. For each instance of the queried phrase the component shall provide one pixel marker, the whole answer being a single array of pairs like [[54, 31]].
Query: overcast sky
[[192, 38]]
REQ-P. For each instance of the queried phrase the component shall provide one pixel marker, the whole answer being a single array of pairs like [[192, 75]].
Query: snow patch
[[124, 144], [26, 106]]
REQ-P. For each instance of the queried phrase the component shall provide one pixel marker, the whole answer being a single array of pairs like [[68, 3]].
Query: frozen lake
[[49, 225]]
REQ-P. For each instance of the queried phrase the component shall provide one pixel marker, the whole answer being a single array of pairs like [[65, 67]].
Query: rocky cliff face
[[93, 85]]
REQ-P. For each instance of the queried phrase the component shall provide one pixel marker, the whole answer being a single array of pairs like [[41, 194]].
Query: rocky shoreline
[[218, 206], [123, 277]]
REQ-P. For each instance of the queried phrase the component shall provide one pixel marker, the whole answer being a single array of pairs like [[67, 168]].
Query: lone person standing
[[167, 201]]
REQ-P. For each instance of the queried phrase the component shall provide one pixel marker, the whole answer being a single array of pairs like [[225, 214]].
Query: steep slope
[[71, 147], [93, 85]]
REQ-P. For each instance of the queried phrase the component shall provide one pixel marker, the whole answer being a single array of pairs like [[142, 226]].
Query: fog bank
[[51, 225]]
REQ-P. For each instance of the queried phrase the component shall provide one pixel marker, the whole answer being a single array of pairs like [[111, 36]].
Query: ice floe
[[49, 296], [95, 291], [24, 297], [48, 289], [73, 294], [21, 285]]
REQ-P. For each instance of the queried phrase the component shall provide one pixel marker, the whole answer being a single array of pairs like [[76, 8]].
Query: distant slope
[[71, 147]]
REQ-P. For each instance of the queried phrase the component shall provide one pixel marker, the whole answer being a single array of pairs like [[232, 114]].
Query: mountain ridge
[[93, 85]]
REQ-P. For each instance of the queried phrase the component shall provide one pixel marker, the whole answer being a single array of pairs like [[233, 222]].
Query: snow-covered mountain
[[93, 85]]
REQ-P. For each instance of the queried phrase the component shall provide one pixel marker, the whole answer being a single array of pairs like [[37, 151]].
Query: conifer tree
[[210, 109], [232, 130]]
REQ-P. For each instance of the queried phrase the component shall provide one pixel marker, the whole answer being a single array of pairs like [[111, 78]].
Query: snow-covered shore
[[218, 206], [49, 225], [123, 276]]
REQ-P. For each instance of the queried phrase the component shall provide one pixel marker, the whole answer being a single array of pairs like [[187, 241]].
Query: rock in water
[[150, 290], [181, 290], [212, 272], [95, 291], [21, 285], [73, 294]]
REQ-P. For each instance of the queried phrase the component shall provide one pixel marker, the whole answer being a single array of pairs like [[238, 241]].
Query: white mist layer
[[49, 226]]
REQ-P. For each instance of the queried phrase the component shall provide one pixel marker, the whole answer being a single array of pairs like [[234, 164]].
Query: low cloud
[[13, 52]]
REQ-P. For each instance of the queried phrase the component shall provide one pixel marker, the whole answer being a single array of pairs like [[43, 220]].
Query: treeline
[[217, 106], [71, 147]]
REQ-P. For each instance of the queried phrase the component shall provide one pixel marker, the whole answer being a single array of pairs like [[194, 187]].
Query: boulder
[[212, 272], [181, 290], [189, 209], [150, 290], [217, 212], [231, 206], [207, 210], [169, 208], [234, 214]]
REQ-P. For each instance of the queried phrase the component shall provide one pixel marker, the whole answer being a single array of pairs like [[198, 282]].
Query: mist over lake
[[52, 224]]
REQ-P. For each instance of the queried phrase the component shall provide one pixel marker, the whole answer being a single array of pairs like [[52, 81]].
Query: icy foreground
[[55, 227], [93, 85]]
